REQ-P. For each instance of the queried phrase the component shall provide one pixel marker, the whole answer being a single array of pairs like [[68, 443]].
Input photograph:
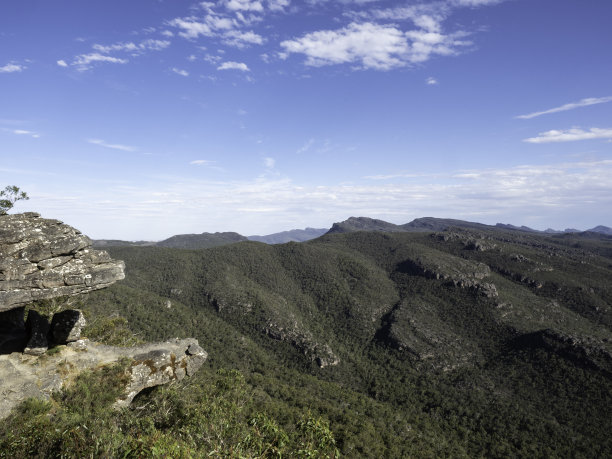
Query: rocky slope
[[43, 259], [23, 376]]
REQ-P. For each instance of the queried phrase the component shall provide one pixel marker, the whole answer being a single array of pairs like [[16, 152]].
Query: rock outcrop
[[157, 364], [459, 272], [23, 376], [42, 258]]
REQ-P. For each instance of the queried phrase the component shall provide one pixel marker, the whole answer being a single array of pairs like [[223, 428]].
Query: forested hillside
[[456, 343]]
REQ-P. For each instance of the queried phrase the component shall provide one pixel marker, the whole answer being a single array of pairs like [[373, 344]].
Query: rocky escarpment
[[281, 327], [23, 376], [43, 258], [320, 353], [585, 351], [468, 274]]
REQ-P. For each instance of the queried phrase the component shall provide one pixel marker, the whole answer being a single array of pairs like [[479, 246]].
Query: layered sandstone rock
[[42, 258]]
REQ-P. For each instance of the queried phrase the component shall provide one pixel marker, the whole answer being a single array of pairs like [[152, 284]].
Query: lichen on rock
[[43, 258]]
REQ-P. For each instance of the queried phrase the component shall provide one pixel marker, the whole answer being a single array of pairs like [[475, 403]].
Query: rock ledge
[[23, 376]]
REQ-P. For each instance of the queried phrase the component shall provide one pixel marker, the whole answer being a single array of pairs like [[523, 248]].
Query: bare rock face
[[23, 376], [161, 364], [43, 258]]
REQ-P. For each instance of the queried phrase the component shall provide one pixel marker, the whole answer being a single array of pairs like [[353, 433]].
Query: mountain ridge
[[442, 224], [296, 235], [422, 224]]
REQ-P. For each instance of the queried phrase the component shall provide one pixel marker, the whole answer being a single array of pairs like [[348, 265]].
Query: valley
[[464, 341]]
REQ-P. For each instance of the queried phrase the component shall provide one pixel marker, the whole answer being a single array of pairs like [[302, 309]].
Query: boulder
[[43, 258]]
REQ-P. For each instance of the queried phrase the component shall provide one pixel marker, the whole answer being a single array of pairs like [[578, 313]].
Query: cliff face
[[43, 258]]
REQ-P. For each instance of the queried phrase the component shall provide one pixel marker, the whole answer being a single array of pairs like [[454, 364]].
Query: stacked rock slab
[[42, 258]]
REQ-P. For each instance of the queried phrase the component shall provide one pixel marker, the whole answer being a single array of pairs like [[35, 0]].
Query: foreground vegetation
[[221, 416], [361, 344]]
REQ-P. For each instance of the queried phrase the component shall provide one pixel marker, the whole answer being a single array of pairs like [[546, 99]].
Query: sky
[[142, 119]]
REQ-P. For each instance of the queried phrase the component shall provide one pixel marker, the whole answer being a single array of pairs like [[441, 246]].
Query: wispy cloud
[[229, 21], [526, 194], [12, 68], [244, 5], [201, 162], [240, 39], [269, 163], [474, 2], [84, 62], [304, 148], [180, 72], [192, 27], [233, 66], [25, 132], [431, 81], [131, 47], [571, 135], [398, 176], [278, 5], [571, 106], [115, 146], [372, 46], [377, 38]]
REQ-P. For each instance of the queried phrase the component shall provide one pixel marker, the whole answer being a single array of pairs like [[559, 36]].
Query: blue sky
[[148, 118]]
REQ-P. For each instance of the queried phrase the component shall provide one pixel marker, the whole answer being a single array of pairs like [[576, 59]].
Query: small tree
[[9, 196]]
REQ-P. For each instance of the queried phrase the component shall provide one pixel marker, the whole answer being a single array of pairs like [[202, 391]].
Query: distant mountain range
[[208, 240], [201, 241], [296, 235], [441, 224], [415, 226], [180, 241], [353, 224]]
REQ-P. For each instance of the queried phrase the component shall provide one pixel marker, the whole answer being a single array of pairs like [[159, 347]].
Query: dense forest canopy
[[457, 343]]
